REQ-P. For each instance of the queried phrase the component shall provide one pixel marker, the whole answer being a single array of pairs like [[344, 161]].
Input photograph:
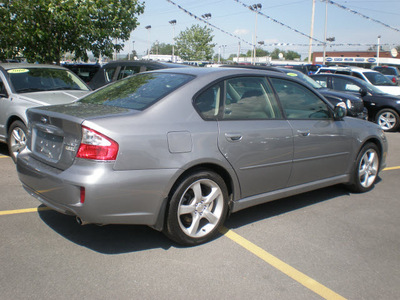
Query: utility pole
[[311, 32]]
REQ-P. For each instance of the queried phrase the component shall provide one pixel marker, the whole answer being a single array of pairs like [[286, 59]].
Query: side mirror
[[363, 92], [340, 111]]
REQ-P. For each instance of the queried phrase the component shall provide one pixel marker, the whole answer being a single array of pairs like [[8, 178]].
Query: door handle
[[233, 137], [304, 132]]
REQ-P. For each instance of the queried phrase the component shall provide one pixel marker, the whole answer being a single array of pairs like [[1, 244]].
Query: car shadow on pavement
[[118, 239], [108, 239], [285, 205], [4, 149]]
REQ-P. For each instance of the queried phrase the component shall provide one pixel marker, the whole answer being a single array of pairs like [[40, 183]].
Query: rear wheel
[[16, 139], [366, 169], [388, 119], [197, 208]]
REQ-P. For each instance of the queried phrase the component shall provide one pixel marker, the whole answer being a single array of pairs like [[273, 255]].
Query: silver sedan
[[180, 149]]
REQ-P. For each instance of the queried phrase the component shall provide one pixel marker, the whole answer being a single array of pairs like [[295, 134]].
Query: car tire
[[197, 209], [16, 139], [388, 119], [366, 168]]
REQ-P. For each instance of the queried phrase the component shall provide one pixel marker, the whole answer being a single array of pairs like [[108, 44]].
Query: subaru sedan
[[179, 150]]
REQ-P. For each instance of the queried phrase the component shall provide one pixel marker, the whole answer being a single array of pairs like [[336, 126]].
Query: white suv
[[376, 78]]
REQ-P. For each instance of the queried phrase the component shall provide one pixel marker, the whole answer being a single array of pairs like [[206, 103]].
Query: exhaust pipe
[[80, 221]]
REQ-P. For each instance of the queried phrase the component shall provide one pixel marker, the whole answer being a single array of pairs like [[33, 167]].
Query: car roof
[[8, 66], [199, 72], [142, 63]]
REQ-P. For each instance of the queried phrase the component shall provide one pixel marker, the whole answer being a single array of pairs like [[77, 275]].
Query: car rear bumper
[[111, 197]]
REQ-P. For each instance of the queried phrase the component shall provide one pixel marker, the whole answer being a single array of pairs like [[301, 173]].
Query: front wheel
[[16, 139], [366, 168], [198, 207], [388, 119]]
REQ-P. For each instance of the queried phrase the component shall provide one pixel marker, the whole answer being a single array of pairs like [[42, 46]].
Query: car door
[[322, 145], [253, 136]]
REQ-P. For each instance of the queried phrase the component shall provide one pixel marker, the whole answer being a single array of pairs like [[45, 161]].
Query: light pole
[[326, 24], [261, 43], [377, 50], [311, 31], [219, 53], [173, 23], [148, 27], [256, 8]]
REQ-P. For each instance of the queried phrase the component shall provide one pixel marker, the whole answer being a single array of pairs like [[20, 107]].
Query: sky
[[239, 24]]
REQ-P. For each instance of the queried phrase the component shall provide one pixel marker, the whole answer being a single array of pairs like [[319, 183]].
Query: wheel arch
[[11, 120], [377, 143], [221, 171]]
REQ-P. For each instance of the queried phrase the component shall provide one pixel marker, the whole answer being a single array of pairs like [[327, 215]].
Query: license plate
[[48, 145]]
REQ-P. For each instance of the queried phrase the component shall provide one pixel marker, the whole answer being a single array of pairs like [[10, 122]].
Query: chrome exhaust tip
[[80, 221]]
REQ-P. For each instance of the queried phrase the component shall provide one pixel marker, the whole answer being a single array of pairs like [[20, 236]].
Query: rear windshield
[[139, 91], [377, 78], [27, 80]]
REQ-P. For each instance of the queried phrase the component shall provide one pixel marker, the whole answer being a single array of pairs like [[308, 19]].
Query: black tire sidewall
[[172, 228], [15, 124], [356, 186]]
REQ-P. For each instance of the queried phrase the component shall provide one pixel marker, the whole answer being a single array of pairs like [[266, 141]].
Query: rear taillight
[[394, 80], [97, 146]]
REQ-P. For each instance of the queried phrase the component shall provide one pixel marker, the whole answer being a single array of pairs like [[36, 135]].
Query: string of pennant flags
[[208, 23], [277, 22], [360, 14], [319, 42]]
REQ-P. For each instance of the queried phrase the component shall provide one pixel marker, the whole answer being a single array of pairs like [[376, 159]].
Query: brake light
[[394, 79], [96, 146]]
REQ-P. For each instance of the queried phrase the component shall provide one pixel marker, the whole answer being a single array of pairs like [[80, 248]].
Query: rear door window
[[298, 102], [250, 98]]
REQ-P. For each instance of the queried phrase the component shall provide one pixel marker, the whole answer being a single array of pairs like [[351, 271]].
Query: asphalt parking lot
[[323, 244]]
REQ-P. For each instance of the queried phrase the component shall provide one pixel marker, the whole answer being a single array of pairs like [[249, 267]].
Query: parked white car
[[23, 86], [374, 77]]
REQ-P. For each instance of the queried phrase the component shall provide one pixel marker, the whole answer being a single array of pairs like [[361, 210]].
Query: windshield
[[26, 80], [377, 78], [139, 91], [304, 78]]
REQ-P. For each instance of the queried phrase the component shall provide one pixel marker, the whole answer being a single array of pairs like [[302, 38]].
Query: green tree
[[195, 43], [275, 53], [291, 55], [163, 49], [42, 30], [259, 53]]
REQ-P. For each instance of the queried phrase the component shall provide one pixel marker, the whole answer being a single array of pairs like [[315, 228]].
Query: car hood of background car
[[393, 90], [341, 95], [53, 97]]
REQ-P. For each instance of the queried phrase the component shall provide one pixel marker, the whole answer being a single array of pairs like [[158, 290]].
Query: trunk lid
[[55, 132]]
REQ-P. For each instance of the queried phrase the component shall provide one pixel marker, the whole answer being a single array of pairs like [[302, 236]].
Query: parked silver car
[[180, 149], [28, 85]]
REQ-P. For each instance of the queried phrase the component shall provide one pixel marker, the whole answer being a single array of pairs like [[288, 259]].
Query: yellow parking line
[[275, 262], [298, 276], [391, 168], [21, 211]]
